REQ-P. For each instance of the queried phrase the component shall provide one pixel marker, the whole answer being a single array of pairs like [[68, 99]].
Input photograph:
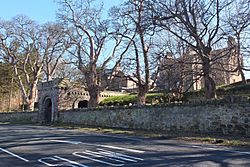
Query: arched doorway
[[48, 110], [83, 104]]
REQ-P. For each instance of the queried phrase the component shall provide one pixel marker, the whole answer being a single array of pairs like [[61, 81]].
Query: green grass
[[223, 90], [119, 100], [160, 98], [233, 90], [130, 99]]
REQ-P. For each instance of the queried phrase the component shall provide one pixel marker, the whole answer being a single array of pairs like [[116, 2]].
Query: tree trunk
[[29, 99], [209, 84], [32, 96], [141, 97], [210, 87], [49, 77], [94, 96], [93, 87], [243, 78], [31, 104], [239, 61]]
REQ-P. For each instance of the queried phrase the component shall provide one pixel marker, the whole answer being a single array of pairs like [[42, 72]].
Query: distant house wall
[[222, 69]]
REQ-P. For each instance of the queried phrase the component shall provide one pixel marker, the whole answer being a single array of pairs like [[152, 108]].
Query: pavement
[[42, 146]]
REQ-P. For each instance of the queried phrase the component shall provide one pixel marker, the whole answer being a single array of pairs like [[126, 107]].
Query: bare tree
[[237, 21], [88, 38], [55, 42], [133, 17], [20, 41], [200, 21], [69, 71]]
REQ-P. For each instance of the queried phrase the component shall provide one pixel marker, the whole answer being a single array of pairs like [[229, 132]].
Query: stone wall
[[19, 117], [226, 119]]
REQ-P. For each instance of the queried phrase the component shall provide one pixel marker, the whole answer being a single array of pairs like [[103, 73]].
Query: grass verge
[[219, 140], [188, 137]]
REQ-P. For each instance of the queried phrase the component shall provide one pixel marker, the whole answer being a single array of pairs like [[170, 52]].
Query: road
[[41, 146]]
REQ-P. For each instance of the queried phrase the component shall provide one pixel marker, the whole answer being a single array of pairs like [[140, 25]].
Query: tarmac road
[[40, 146]]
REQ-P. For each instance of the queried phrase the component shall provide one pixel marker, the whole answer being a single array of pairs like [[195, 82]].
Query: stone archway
[[48, 110], [83, 104]]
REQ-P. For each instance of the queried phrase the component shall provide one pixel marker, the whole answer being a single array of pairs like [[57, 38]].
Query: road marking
[[66, 141], [100, 155], [57, 158], [14, 155], [78, 154], [98, 145], [218, 149], [121, 148], [112, 158], [120, 155], [72, 162], [42, 160]]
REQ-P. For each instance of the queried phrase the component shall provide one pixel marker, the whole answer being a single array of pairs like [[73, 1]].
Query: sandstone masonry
[[226, 119]]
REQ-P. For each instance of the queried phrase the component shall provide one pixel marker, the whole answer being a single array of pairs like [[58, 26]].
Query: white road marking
[[57, 158], [121, 155], [94, 159], [113, 159], [100, 155], [118, 157], [239, 152], [121, 148], [98, 145], [66, 141], [218, 149], [72, 162], [42, 160], [14, 155]]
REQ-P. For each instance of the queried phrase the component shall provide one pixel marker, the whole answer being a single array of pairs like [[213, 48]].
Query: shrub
[[154, 98]]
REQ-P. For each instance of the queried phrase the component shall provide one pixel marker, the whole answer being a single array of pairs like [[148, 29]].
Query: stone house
[[185, 73], [117, 81]]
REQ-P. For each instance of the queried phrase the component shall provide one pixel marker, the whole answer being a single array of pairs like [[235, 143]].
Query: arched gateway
[[47, 110], [60, 94], [83, 104]]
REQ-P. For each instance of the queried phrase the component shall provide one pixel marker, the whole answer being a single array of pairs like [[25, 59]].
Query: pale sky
[[41, 11]]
